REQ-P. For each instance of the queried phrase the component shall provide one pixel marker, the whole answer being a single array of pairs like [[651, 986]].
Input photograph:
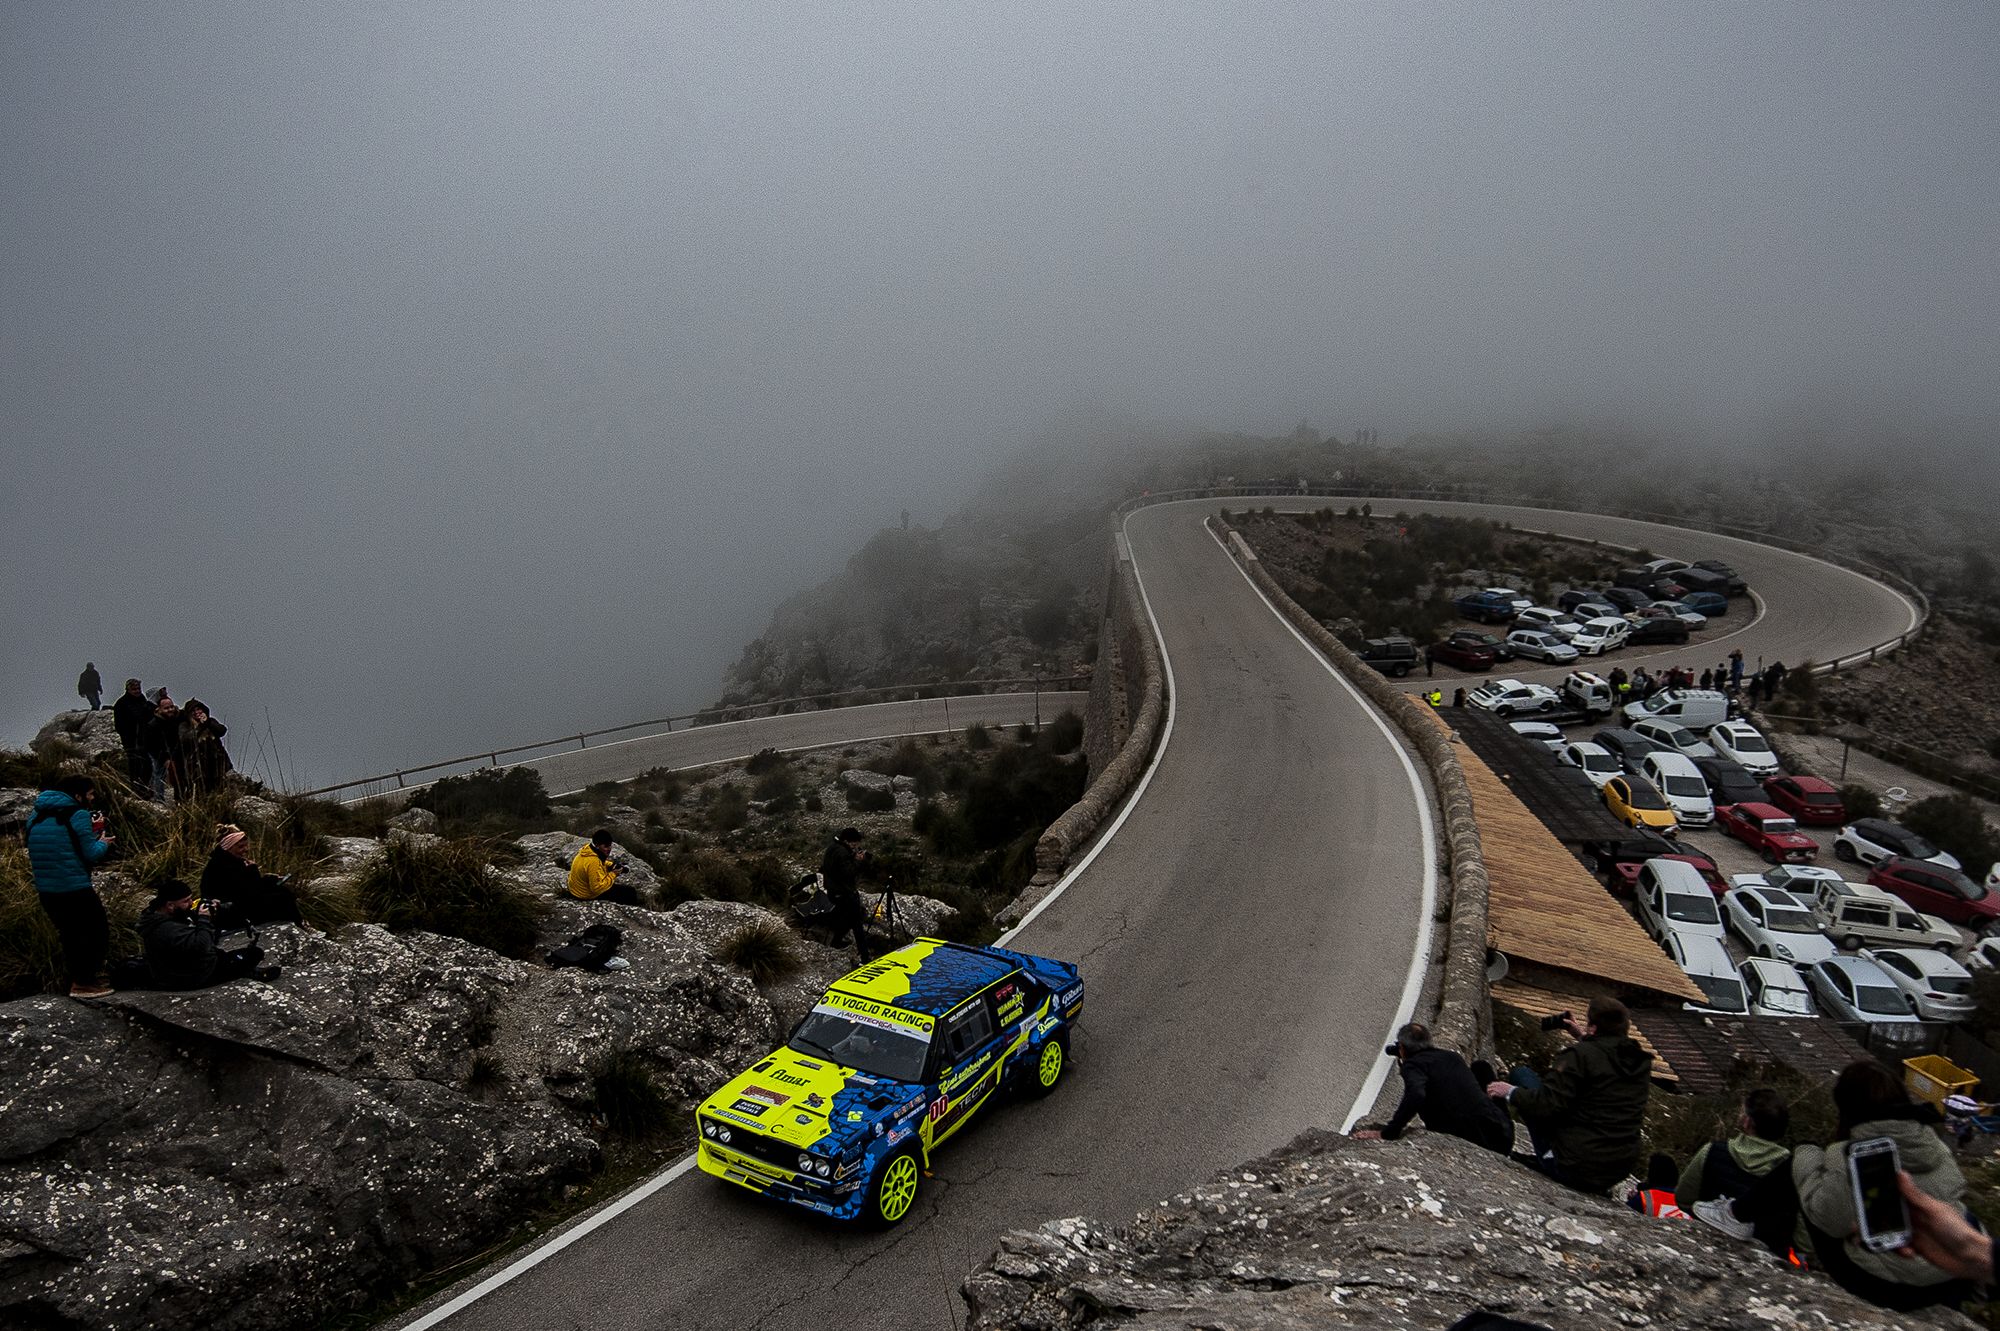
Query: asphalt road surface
[[1246, 936]]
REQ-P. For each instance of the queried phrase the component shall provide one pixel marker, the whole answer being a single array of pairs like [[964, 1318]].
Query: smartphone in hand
[[1871, 1170]]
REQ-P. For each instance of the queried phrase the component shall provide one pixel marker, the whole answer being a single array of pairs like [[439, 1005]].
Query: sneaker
[[92, 990], [1719, 1215]]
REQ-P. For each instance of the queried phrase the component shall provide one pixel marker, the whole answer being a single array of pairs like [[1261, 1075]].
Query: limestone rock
[[903, 783], [546, 866], [415, 820], [854, 778], [1331, 1232], [347, 854], [17, 805], [252, 810], [93, 734]]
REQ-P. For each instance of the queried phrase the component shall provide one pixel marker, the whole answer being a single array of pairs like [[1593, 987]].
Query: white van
[[1591, 694], [1696, 709], [1856, 914], [1680, 782], [1672, 898]]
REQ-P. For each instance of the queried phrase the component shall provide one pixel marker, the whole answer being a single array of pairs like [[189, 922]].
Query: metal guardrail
[[710, 716]]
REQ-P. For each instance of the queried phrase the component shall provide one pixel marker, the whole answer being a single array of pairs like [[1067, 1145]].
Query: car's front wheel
[[893, 1189], [1051, 1063], [1843, 851]]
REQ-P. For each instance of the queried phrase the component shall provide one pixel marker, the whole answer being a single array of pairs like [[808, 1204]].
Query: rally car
[[895, 1057]]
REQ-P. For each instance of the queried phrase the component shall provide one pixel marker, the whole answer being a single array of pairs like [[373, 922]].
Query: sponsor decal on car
[[877, 1013]]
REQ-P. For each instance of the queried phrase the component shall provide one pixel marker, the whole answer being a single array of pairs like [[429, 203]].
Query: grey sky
[[436, 376]]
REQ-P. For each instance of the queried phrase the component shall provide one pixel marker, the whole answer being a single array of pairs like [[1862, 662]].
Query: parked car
[[1598, 636], [1647, 631], [1985, 955], [1740, 742], [1815, 803], [1774, 989], [1629, 746], [1484, 607], [1466, 651], [1515, 600], [1854, 914], [1510, 697], [1613, 856], [1775, 924], [1624, 875], [1544, 620], [1545, 733], [1697, 709], [1693, 619], [1593, 760], [1540, 645], [1662, 567], [1670, 897], [1728, 783], [1732, 582], [1706, 961], [1654, 586], [1577, 596], [1712, 605], [1855, 990], [1625, 598], [1936, 987], [1936, 890], [1633, 802], [1675, 777], [1673, 736], [1870, 839], [1801, 880], [1768, 831], [1391, 656]]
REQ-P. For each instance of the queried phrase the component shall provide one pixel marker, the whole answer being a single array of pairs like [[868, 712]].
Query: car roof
[[1704, 954], [1867, 825], [928, 976], [1777, 896], [1804, 782], [1605, 619], [1858, 968], [1671, 764], [1927, 960], [1777, 974], [1591, 746], [1735, 727], [1757, 810]]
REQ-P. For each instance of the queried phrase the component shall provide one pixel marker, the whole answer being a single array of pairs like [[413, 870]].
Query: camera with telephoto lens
[[1393, 1050], [1560, 1021]]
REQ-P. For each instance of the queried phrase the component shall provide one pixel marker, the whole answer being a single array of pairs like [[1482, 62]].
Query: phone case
[[1867, 1157]]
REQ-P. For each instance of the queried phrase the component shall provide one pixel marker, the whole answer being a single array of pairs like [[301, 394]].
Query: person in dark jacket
[[131, 714], [232, 876], [1439, 1088], [203, 734], [168, 750], [1584, 1118], [180, 939], [1743, 1186], [90, 685], [65, 839], [840, 869]]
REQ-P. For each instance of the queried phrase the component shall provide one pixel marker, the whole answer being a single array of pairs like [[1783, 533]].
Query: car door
[[1753, 914], [1930, 893], [1843, 991], [1899, 969], [969, 1064]]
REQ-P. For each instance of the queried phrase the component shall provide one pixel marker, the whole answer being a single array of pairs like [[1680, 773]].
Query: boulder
[[546, 867], [920, 917], [347, 854], [254, 810], [17, 805], [92, 734], [903, 783], [1332, 1232], [415, 820], [854, 778]]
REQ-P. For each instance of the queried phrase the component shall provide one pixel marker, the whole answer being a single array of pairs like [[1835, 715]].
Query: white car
[[1593, 760], [1670, 897], [1680, 783], [1801, 880], [1542, 619], [1774, 989], [1775, 924], [1871, 840], [1739, 742], [1706, 961], [1985, 955], [1678, 738], [1546, 733], [1510, 697], [1694, 619], [1936, 987], [1856, 990], [1540, 645], [1660, 568], [1601, 635], [1514, 598]]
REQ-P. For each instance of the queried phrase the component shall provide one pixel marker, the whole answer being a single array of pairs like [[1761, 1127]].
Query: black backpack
[[589, 949]]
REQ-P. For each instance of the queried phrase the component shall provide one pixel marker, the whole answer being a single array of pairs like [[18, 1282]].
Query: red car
[[1624, 877], [1807, 798], [1936, 890], [1467, 651], [1768, 831]]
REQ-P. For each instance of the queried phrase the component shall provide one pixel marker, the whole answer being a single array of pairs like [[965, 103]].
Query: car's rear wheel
[[1051, 1064], [1843, 851], [1402, 669], [1547, 706], [893, 1189], [1943, 947], [1503, 712]]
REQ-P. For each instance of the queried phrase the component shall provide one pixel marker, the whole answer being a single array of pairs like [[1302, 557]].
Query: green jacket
[[1826, 1198], [1591, 1107], [1754, 1154]]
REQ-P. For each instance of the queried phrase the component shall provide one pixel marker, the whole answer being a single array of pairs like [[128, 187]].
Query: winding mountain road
[[1248, 932]]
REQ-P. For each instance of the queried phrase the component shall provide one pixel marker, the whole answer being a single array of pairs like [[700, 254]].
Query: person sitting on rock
[[232, 876], [181, 943], [1585, 1118], [593, 873], [1743, 1186], [1440, 1089]]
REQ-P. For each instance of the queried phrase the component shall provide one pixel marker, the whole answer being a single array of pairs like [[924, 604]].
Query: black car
[[1661, 628], [1625, 598], [1629, 745], [1635, 847], [1577, 596], [1736, 584], [1391, 656], [1706, 580], [1729, 782]]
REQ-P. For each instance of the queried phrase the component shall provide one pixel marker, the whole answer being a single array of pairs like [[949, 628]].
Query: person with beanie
[[181, 943], [66, 840], [232, 876], [202, 737]]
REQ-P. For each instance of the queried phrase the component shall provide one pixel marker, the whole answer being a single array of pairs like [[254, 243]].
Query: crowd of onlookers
[[1585, 1115], [170, 748]]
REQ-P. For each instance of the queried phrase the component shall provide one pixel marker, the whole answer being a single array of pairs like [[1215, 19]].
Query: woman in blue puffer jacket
[[64, 841]]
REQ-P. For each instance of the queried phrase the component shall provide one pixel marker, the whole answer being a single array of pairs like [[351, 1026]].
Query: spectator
[[168, 748], [1735, 669], [1774, 678], [131, 714], [1707, 677], [232, 876], [1655, 1197], [1871, 1102], [65, 839], [90, 685], [203, 734], [1584, 1120], [1458, 697], [181, 943], [1430, 662], [1743, 1186], [840, 870], [593, 873], [1439, 1089]]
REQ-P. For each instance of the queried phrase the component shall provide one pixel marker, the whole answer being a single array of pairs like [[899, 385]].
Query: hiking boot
[[1720, 1215], [95, 989]]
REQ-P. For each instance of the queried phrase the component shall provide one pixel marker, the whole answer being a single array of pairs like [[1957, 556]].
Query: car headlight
[[1782, 950], [805, 1163], [823, 1168], [722, 1135], [708, 1129]]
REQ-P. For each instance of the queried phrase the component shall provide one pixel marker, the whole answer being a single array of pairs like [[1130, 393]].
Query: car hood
[[811, 1102]]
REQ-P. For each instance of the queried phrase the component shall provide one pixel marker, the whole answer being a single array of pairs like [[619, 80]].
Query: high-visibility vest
[[1660, 1203]]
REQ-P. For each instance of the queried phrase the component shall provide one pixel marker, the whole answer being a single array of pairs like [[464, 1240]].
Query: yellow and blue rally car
[[895, 1057]]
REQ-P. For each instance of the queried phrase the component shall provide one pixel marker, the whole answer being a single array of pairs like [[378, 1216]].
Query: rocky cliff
[[1331, 1232]]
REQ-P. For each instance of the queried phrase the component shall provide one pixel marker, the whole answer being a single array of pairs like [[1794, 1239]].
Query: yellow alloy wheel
[[897, 1188], [1049, 1069]]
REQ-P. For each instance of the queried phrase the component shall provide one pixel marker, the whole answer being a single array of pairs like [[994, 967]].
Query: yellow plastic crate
[[1932, 1077]]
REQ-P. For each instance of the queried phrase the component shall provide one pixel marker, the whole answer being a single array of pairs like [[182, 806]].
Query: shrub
[[862, 800], [944, 829], [775, 784], [493, 798], [1956, 824], [1860, 801], [1024, 733], [1065, 733], [766, 760], [626, 1096], [812, 802], [763, 950], [977, 736], [448, 888], [725, 808], [30, 954], [906, 759]]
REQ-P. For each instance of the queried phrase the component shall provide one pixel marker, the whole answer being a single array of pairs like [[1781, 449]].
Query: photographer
[[593, 874], [841, 869], [1439, 1088], [231, 875], [181, 951], [1584, 1118]]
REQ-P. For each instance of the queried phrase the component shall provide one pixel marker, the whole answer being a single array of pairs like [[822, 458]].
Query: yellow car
[[895, 1057], [1633, 801]]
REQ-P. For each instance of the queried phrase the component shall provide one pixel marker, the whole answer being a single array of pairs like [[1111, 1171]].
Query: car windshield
[[1916, 847], [1789, 921], [1724, 994], [1745, 741], [1775, 825], [1644, 796], [1881, 1002], [1786, 1000], [1691, 909], [1601, 762], [865, 1043], [1688, 787]]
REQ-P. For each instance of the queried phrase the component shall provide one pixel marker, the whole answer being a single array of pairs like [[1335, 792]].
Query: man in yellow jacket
[[593, 874]]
